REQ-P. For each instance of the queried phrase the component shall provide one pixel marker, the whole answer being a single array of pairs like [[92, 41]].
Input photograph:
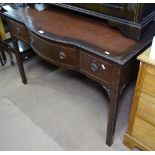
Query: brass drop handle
[[62, 55], [18, 30], [94, 67]]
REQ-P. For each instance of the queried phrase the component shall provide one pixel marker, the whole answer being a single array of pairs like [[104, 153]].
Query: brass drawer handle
[[103, 67], [62, 55], [94, 67], [18, 30]]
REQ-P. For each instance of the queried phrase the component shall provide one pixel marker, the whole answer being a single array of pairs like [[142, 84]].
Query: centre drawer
[[96, 68], [53, 52]]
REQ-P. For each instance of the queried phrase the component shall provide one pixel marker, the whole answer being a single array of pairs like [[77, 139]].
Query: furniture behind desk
[[141, 128], [80, 43]]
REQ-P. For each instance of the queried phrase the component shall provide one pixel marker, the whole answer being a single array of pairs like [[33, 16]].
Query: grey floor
[[57, 110]]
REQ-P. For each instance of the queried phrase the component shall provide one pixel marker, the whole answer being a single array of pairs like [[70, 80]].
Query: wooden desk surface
[[87, 32]]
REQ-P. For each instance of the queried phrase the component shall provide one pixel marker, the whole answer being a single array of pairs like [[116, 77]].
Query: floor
[[57, 110]]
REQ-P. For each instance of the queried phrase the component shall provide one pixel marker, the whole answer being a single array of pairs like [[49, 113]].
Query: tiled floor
[[57, 110]]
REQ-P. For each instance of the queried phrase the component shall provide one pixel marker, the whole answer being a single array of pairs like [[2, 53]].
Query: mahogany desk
[[81, 43]]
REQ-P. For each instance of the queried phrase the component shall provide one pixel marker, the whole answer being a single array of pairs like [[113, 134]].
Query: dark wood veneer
[[130, 18], [19, 31], [96, 68], [81, 43], [54, 51]]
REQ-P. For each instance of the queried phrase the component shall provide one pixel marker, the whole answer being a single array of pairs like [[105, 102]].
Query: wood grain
[[139, 84], [141, 128], [144, 132], [146, 108]]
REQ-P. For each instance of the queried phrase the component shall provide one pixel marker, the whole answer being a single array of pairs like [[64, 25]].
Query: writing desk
[[80, 43]]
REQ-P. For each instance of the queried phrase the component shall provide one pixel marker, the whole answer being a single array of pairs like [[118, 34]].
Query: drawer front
[[53, 52], [144, 132], [150, 70], [149, 78], [146, 108], [18, 30], [149, 89], [149, 82], [96, 68]]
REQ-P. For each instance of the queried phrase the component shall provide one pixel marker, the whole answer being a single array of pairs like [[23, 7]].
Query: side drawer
[[18, 30], [96, 68], [53, 52]]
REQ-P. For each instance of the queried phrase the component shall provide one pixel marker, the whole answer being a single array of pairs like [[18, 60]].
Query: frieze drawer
[[96, 68], [54, 52], [18, 30]]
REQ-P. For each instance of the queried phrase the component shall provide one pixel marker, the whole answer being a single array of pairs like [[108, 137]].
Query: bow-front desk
[[82, 43]]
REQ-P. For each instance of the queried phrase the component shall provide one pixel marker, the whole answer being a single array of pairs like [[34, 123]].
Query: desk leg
[[10, 53], [113, 108], [3, 56], [1, 60], [19, 61]]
